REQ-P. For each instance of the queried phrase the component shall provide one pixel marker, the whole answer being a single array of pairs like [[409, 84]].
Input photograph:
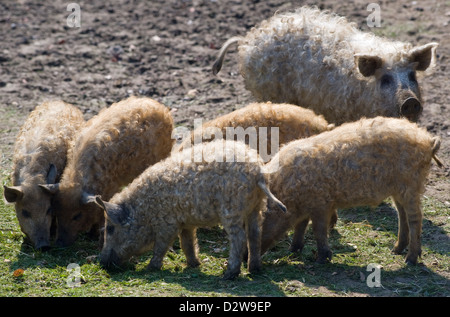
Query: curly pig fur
[[356, 164], [179, 194], [115, 146], [40, 155], [320, 60], [293, 123]]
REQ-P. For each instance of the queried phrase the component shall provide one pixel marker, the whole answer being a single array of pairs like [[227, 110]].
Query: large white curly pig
[[320, 60]]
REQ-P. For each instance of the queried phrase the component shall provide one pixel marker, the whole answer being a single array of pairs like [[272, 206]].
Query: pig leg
[[163, 241], [414, 214], [254, 240], [320, 224], [298, 240], [188, 239], [403, 229], [237, 238], [334, 218]]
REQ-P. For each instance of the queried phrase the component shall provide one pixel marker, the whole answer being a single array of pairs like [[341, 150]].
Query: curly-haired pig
[[210, 183], [320, 60], [40, 155], [356, 164], [112, 149]]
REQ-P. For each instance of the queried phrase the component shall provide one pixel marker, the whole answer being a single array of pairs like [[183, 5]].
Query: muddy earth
[[165, 50]]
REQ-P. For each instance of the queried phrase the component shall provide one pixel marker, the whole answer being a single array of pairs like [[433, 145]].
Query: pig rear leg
[[188, 239], [333, 220], [403, 229], [320, 224], [414, 214], [410, 227], [254, 241], [237, 238], [298, 240]]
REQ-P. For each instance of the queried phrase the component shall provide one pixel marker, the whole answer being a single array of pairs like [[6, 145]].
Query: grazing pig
[[292, 122], [320, 60], [40, 154], [115, 146], [183, 192], [356, 164], [246, 124]]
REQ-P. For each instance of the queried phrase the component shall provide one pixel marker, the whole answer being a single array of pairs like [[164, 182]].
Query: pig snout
[[39, 240], [411, 108], [109, 259], [43, 245]]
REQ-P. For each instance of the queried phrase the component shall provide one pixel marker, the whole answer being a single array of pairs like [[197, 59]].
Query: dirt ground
[[165, 50]]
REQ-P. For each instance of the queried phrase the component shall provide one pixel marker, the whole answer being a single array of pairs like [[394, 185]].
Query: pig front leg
[[320, 224], [163, 241], [188, 239], [298, 240]]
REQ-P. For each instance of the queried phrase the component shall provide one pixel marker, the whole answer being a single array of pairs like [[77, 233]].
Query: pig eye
[[77, 217], [110, 230], [26, 213], [412, 76], [386, 81]]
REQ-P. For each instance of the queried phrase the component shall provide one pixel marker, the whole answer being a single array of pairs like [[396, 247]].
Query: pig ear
[[367, 64], [13, 193], [113, 212], [51, 189], [87, 198], [424, 56], [51, 175]]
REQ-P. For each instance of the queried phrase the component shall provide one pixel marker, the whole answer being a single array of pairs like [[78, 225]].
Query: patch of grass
[[361, 236]]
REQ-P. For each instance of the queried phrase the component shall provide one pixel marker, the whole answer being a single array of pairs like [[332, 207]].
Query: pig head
[[397, 87], [75, 212], [33, 208]]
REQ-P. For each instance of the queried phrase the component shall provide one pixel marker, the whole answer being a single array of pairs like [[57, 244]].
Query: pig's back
[[362, 162], [198, 192]]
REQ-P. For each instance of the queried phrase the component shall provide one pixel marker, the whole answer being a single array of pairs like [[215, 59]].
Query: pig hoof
[[324, 257], [397, 251], [230, 275], [154, 267], [194, 263], [411, 260], [322, 261], [254, 268], [296, 248]]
